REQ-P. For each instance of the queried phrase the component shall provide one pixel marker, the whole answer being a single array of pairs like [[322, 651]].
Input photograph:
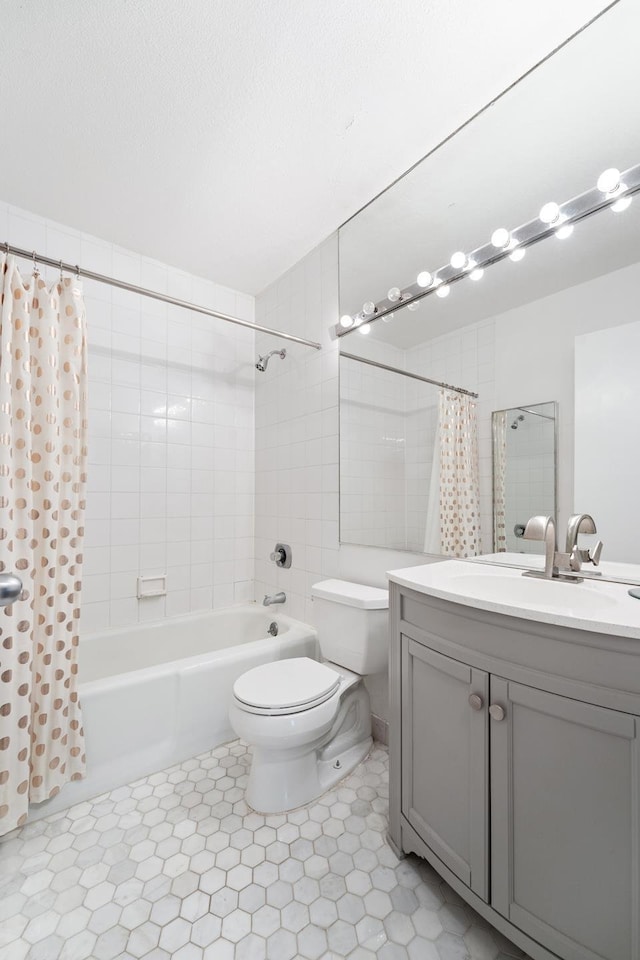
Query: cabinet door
[[564, 822], [444, 760]]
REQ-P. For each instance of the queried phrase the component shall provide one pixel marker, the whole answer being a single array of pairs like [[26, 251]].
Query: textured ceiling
[[230, 137]]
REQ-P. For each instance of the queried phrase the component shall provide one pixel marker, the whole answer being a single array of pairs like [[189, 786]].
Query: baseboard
[[380, 729]]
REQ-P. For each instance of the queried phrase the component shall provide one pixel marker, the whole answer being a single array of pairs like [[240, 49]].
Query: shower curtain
[[453, 518], [499, 476], [43, 401]]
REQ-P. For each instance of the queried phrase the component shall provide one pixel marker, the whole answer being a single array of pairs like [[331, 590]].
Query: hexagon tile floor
[[176, 865]]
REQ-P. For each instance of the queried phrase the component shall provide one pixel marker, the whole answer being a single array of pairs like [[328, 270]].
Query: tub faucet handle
[[281, 556]]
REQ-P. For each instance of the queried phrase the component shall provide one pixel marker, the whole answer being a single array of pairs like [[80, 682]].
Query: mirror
[[524, 473], [514, 337]]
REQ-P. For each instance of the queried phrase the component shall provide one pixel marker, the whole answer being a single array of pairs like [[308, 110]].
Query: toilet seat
[[285, 687]]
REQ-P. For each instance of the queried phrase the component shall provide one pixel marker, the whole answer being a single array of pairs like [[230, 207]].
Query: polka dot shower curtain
[[459, 476], [499, 427], [43, 404]]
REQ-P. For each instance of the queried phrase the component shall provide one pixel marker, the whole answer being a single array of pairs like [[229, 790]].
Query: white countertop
[[599, 607]]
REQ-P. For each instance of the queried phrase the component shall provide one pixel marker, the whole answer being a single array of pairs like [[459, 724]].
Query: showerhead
[[514, 425], [261, 365]]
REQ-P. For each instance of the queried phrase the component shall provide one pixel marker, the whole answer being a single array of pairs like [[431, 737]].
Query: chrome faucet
[[582, 523], [276, 598], [543, 528]]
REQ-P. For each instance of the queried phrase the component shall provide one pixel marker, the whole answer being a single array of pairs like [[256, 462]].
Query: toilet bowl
[[309, 723]]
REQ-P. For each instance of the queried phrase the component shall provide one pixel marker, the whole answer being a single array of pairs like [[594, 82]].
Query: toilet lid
[[286, 684]]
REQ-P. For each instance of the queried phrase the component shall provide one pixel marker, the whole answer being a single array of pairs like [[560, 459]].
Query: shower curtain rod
[[535, 413], [152, 294], [405, 373]]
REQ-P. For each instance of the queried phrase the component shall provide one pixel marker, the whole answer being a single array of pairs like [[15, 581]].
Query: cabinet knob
[[496, 712], [475, 701]]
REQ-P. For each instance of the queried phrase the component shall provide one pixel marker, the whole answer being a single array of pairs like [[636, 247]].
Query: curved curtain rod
[[152, 294]]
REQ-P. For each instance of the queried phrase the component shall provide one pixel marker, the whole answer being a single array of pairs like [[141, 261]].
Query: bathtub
[[159, 693]]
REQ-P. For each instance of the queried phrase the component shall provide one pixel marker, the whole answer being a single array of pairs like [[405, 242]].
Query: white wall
[[297, 469], [170, 481], [607, 454], [534, 357]]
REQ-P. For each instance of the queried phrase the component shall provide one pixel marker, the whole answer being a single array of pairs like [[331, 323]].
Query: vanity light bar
[[614, 191]]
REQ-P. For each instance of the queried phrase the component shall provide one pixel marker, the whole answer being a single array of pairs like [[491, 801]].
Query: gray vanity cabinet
[[515, 770], [565, 797], [445, 778]]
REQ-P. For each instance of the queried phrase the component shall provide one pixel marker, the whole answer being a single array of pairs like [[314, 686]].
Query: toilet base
[[279, 785], [281, 779]]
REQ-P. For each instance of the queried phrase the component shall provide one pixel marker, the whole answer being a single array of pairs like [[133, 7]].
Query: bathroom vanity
[[515, 752]]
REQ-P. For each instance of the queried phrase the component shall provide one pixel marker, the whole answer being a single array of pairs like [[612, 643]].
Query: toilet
[[309, 723]]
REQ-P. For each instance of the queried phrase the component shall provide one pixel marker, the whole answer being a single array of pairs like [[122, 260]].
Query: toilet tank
[[352, 624]]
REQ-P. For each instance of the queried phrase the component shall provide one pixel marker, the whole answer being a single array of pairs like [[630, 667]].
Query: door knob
[[476, 702], [496, 712], [10, 588]]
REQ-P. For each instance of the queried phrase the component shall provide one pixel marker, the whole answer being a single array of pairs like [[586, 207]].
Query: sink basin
[[572, 599], [593, 605]]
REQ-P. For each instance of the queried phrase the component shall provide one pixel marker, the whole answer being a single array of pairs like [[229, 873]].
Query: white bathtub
[[159, 693]]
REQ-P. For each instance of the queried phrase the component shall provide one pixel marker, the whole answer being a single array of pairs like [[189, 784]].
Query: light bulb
[[565, 231], [458, 260], [394, 294], [477, 274], [424, 279], [609, 181], [366, 328], [346, 321], [413, 306], [517, 254], [500, 238], [443, 290], [550, 213], [621, 204], [368, 308]]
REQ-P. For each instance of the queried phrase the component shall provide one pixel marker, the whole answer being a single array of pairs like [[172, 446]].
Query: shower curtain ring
[[61, 277], [36, 272], [77, 272]]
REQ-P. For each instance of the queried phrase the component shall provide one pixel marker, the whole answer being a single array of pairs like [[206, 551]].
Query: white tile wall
[[297, 433], [384, 497], [171, 466], [529, 475], [297, 447], [372, 455]]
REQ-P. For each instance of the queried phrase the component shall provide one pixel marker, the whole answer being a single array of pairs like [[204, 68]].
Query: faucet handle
[[592, 556]]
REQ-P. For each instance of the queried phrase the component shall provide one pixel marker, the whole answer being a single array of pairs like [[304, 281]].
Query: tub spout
[[276, 598]]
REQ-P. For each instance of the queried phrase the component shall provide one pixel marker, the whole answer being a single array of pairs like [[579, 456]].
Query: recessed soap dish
[[155, 586]]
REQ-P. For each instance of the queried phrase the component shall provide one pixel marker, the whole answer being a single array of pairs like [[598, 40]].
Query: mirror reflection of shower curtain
[[453, 515], [499, 479], [432, 542]]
